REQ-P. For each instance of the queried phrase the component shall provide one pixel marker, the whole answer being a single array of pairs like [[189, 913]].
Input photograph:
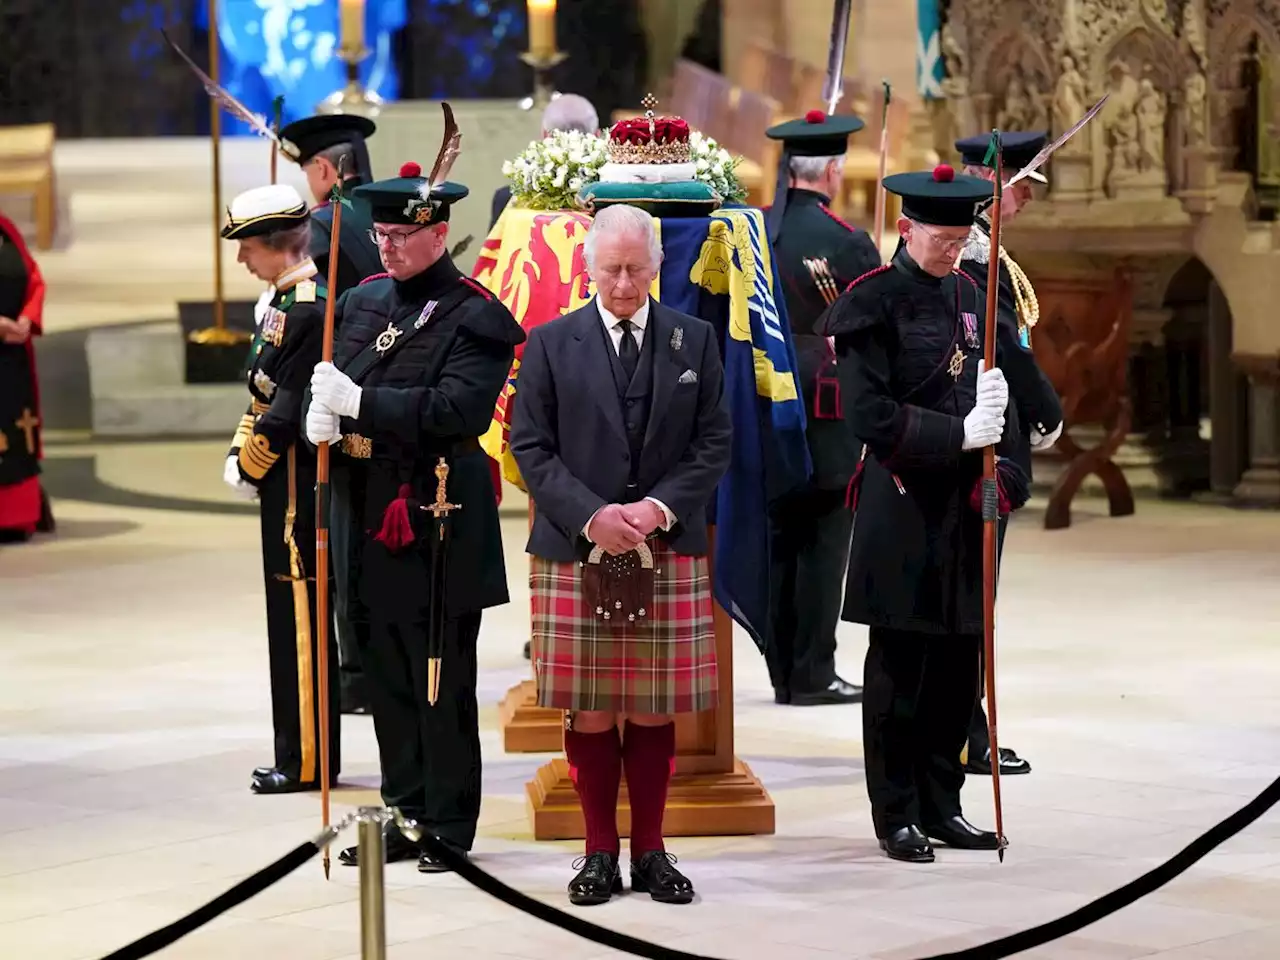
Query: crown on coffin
[[649, 139]]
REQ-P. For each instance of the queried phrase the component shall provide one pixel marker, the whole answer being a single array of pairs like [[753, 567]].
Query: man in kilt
[[622, 433]]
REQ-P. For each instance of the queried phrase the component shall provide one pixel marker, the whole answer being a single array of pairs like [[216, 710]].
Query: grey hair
[[570, 113], [812, 168], [622, 218], [294, 240]]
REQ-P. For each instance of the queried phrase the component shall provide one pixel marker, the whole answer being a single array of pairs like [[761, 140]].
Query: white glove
[[264, 301], [335, 390], [322, 424], [1043, 441], [993, 389], [238, 484]]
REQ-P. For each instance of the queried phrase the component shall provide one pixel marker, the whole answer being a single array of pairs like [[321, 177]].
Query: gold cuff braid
[[257, 457]]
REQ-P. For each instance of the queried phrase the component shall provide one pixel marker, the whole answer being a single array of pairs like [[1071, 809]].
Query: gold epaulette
[[257, 457], [356, 446]]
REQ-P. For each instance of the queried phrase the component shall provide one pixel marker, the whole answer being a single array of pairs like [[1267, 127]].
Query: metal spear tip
[[326, 864]]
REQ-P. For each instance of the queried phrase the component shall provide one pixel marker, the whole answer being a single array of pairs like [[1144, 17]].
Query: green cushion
[[688, 198]]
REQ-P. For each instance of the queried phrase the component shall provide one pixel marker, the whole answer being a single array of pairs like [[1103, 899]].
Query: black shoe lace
[[661, 864], [595, 869]]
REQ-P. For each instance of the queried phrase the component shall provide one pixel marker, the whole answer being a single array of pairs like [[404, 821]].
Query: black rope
[[242, 891], [995, 950]]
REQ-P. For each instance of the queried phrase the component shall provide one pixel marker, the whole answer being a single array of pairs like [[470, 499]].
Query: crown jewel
[[649, 139]]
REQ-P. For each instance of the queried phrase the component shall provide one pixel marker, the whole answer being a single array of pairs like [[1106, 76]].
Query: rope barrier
[[242, 891], [1015, 943]]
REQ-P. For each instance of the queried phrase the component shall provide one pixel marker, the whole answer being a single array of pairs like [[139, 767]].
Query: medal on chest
[[970, 322], [387, 338], [425, 315], [273, 327], [956, 366]]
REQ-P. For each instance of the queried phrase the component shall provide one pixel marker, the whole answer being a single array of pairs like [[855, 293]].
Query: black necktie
[[628, 350]]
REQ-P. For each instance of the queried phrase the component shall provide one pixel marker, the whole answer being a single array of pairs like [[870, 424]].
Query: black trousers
[[979, 737], [918, 700], [809, 546], [351, 620], [430, 756], [292, 643]]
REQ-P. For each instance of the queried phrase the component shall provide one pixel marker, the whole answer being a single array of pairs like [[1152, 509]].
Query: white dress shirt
[[613, 326]]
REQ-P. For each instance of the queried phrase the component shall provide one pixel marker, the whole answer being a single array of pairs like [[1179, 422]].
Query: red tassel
[[397, 532], [855, 484], [1003, 507]]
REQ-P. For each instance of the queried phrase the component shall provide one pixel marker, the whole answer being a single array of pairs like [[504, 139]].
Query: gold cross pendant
[[956, 366]]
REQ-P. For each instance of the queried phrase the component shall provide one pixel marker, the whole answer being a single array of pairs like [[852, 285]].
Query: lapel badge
[[677, 338], [956, 366], [425, 315], [387, 338]]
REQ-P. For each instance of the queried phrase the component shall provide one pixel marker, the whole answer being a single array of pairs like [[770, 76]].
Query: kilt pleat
[[663, 665]]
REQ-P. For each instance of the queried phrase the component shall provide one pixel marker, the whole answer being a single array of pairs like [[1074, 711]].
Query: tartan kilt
[[665, 665]]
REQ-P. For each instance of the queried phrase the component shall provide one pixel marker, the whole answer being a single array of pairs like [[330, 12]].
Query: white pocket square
[[689, 376]]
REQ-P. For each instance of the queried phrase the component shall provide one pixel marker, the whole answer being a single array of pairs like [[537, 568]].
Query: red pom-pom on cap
[[411, 169], [815, 116], [944, 173]]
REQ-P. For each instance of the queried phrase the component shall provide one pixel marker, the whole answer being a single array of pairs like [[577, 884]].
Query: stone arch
[[1012, 51], [1228, 97]]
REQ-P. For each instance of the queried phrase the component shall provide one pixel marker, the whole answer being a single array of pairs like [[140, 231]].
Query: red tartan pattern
[[664, 666]]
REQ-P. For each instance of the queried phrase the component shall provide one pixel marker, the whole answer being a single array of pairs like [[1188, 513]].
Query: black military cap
[[403, 199], [264, 210], [1018, 149], [940, 197], [304, 138], [816, 134]]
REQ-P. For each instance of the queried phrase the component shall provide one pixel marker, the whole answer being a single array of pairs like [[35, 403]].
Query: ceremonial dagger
[[991, 499], [440, 509]]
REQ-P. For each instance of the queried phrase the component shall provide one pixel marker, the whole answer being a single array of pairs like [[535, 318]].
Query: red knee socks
[[595, 764], [648, 753]]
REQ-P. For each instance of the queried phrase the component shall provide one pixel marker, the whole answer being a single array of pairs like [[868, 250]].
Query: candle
[[351, 18], [542, 27]]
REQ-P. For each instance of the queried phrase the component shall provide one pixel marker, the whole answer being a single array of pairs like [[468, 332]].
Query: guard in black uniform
[[420, 358], [318, 144], [818, 255], [1039, 410], [268, 463], [909, 343]]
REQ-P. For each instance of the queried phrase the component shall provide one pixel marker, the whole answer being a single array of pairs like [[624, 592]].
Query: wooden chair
[[26, 169]]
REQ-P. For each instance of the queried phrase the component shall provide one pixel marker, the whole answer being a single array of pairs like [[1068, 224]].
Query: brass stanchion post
[[373, 906]]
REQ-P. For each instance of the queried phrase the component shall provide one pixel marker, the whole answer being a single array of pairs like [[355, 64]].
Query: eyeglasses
[[396, 240], [949, 247]]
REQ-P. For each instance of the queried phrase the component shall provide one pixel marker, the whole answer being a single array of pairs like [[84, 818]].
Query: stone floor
[[1139, 673]]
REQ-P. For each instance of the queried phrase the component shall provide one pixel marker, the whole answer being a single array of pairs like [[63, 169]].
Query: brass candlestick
[[353, 98], [543, 89]]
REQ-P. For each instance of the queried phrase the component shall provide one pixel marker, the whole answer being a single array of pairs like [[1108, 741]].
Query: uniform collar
[[803, 195], [437, 276], [638, 320], [906, 265], [290, 278]]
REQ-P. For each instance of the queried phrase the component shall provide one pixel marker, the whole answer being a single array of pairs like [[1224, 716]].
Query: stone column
[[1141, 454], [1260, 485]]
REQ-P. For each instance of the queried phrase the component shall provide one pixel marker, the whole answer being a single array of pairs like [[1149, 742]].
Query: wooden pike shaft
[[215, 140], [990, 525], [322, 527]]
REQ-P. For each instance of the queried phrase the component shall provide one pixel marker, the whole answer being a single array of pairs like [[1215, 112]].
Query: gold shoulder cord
[[1024, 295]]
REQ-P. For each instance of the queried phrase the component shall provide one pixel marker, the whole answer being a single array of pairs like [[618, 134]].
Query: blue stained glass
[[289, 48]]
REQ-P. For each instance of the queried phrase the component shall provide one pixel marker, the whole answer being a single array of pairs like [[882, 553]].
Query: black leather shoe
[[839, 691], [781, 696], [273, 782], [654, 873], [396, 846], [597, 881], [908, 844], [1010, 764], [430, 864], [960, 833]]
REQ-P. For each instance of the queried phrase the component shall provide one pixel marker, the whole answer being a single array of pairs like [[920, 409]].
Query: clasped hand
[[621, 527]]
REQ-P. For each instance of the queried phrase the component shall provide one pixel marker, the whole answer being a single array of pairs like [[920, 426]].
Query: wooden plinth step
[[734, 803], [527, 727]]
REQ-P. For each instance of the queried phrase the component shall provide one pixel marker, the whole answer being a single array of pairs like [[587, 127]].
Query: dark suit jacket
[[501, 197], [568, 437]]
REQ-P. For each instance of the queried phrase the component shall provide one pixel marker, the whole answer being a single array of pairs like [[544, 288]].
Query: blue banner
[[722, 270], [929, 72], [289, 48]]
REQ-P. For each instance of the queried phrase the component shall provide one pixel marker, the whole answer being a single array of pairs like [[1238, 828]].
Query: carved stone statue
[[1069, 106], [1121, 126], [1195, 90], [1017, 112], [1150, 112], [953, 53]]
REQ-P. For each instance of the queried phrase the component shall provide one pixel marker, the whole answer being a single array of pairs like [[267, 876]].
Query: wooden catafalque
[[1155, 252]]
